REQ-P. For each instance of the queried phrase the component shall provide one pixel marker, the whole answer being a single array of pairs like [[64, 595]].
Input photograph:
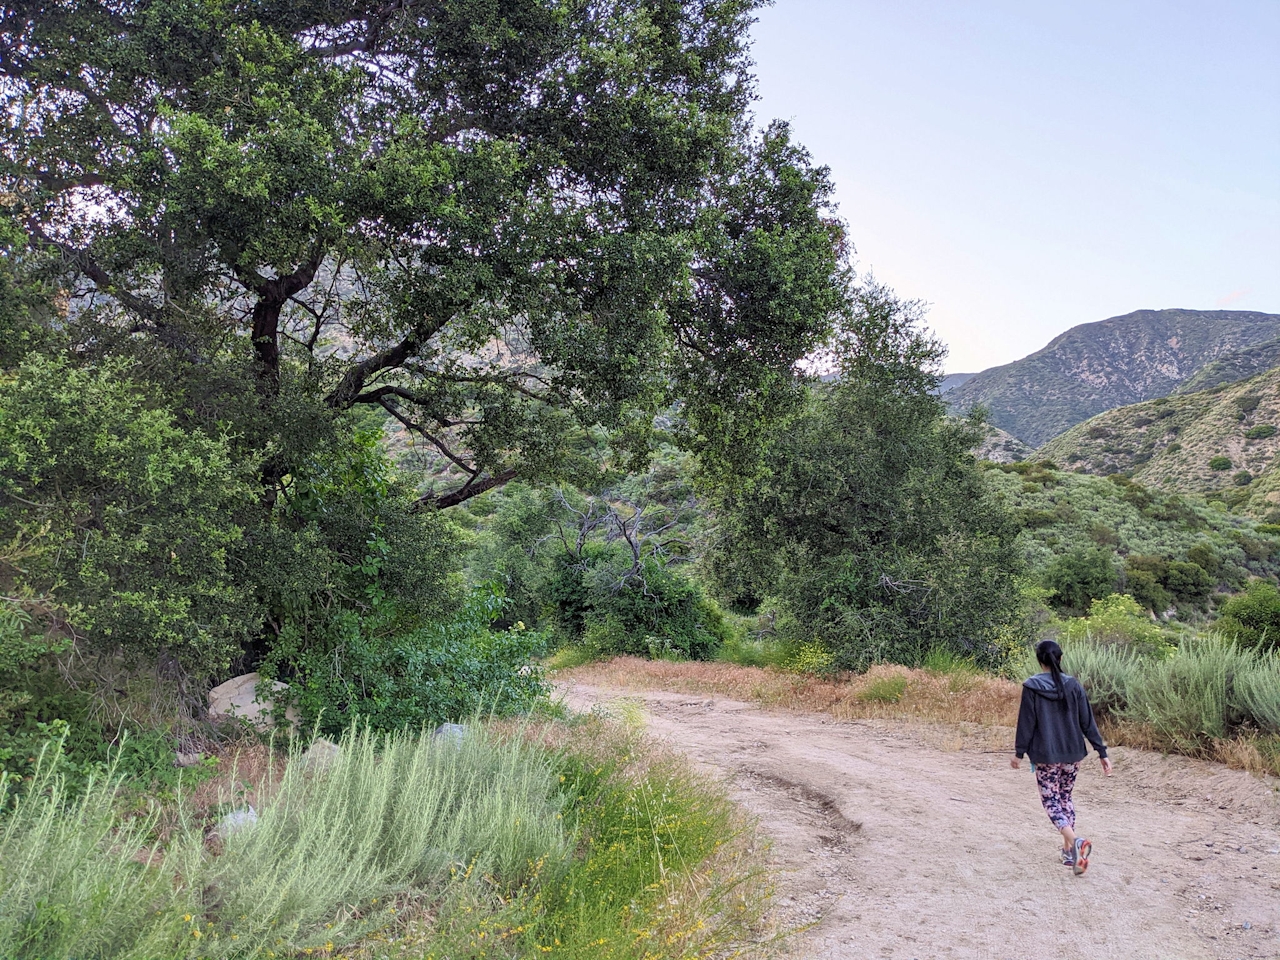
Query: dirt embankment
[[897, 839]]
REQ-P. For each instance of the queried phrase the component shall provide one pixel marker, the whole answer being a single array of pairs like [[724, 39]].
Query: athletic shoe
[[1068, 857], [1082, 851]]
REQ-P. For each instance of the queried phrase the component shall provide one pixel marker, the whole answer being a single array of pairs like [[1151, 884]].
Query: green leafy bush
[[1220, 463], [1242, 479], [135, 518], [873, 528], [366, 670], [1253, 617], [1261, 432], [1075, 579], [1117, 619], [606, 600]]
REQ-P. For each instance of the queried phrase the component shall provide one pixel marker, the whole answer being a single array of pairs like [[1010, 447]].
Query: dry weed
[[947, 697]]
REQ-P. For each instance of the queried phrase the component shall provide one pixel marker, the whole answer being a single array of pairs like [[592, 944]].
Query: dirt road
[[898, 840]]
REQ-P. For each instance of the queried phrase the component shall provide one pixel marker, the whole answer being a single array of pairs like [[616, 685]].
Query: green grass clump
[[74, 883], [390, 819], [884, 690], [388, 816]]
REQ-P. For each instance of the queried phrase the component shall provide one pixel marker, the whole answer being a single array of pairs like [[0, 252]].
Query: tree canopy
[[521, 229], [872, 530]]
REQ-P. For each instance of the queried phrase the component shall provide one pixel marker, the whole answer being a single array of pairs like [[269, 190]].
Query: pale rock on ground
[[238, 699]]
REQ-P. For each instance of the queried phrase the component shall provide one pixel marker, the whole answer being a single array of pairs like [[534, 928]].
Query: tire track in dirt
[[889, 847]]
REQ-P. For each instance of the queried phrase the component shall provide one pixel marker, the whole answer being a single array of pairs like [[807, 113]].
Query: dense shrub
[[136, 520], [1261, 432], [1117, 620], [1076, 579], [370, 670], [1253, 617], [873, 528], [607, 601], [1157, 583], [603, 571], [1208, 689], [1219, 463]]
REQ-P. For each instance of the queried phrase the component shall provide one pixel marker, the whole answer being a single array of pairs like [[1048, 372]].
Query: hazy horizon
[[1024, 169]]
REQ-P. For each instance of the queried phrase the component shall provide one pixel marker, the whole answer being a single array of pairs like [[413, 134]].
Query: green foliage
[[482, 837], [872, 528], [579, 183], [1117, 620], [73, 885], [1077, 578], [1208, 689], [1157, 583], [884, 690], [612, 605], [1157, 534], [134, 520], [311, 869], [1253, 617], [1261, 432], [641, 833], [372, 671], [602, 571], [1106, 670], [812, 657], [1219, 463]]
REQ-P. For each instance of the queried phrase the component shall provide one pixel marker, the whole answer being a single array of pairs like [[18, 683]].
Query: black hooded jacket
[[1052, 727]]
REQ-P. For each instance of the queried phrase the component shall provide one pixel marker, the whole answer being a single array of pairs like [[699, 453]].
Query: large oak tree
[[519, 227]]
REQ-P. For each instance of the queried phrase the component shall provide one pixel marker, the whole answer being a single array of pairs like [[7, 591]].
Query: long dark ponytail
[[1050, 655]]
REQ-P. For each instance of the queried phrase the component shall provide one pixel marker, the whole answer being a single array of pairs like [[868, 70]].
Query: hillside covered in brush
[[1112, 363], [1221, 443], [1083, 537]]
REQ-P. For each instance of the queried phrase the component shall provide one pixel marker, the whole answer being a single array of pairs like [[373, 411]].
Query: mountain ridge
[[1098, 366]]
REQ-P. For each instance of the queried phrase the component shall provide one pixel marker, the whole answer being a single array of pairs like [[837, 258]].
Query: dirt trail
[[896, 841]]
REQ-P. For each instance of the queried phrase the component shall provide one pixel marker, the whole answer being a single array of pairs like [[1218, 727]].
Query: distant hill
[[1222, 442], [952, 380], [1231, 367], [997, 446], [1111, 363]]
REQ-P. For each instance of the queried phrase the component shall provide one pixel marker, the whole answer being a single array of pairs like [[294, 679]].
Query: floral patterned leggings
[[1056, 781]]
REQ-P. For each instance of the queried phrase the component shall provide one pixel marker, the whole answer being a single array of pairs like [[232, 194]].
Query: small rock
[[1246, 925], [235, 821], [451, 733], [187, 759]]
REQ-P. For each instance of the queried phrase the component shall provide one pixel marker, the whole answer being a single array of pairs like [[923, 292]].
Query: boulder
[[235, 821], [320, 754], [238, 699], [451, 733]]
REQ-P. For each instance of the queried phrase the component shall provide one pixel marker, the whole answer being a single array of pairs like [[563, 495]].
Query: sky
[[1027, 166]]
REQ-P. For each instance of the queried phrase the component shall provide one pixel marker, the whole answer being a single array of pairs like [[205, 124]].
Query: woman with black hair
[[1054, 720]]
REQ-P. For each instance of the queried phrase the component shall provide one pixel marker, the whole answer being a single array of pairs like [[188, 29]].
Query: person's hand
[[1014, 762], [1106, 767]]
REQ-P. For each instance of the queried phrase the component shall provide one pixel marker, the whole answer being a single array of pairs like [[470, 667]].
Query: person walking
[[1054, 720]]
